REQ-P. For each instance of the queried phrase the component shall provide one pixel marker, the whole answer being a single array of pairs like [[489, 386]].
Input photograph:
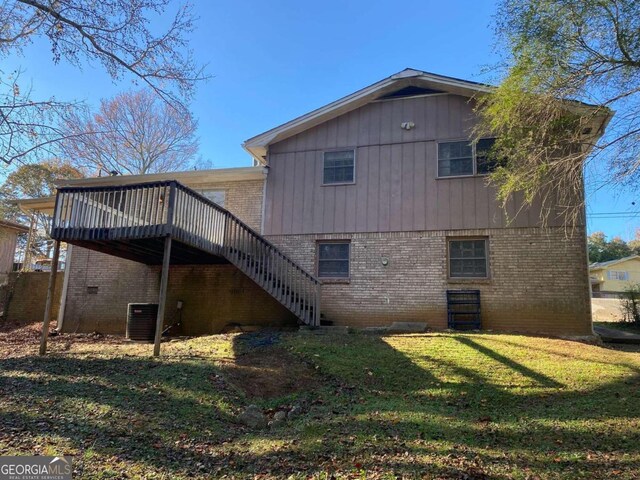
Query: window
[[455, 158], [464, 158], [484, 162], [616, 275], [468, 258], [216, 196], [333, 259], [339, 167]]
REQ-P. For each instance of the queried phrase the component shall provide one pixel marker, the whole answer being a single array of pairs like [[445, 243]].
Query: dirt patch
[[270, 372]]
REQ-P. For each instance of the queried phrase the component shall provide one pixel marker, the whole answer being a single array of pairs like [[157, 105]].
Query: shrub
[[631, 304]]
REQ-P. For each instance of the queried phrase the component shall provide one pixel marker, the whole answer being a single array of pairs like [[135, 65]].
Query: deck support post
[[316, 310], [164, 280], [50, 294]]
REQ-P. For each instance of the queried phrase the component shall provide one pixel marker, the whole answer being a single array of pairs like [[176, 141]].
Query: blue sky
[[272, 61]]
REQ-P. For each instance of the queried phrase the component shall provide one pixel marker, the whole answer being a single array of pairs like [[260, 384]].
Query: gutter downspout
[[264, 198]]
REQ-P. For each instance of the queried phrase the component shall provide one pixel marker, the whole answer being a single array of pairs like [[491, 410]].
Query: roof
[[191, 178], [599, 265], [409, 77], [188, 177], [14, 225], [258, 146]]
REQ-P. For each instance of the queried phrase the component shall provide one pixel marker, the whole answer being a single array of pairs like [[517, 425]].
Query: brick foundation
[[214, 296], [538, 279]]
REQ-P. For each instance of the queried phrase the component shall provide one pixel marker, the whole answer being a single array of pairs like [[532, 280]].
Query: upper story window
[[333, 259], [338, 167], [464, 158], [617, 275], [484, 162], [468, 258], [216, 196], [455, 158]]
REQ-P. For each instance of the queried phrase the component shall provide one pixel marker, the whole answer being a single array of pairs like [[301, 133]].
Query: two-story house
[[366, 210]]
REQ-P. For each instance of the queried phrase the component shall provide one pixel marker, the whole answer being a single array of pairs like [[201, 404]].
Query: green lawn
[[462, 406]]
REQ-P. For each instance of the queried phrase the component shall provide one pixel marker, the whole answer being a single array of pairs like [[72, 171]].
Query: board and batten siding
[[396, 186]]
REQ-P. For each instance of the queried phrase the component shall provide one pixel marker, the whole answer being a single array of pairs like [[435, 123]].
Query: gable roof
[[258, 146], [599, 265]]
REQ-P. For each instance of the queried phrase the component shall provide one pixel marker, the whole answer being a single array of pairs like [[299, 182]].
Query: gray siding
[[396, 188], [8, 240]]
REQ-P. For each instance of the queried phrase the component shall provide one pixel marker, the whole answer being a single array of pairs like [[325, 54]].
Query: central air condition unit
[[141, 321]]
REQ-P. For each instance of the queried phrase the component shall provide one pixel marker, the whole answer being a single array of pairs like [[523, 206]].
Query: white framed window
[[334, 259], [464, 158], [215, 195], [468, 258], [339, 167], [617, 275]]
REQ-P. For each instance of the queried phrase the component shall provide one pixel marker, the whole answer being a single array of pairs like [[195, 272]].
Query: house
[[9, 232], [363, 212], [609, 279]]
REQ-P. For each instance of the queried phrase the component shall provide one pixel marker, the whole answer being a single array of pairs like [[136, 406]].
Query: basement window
[[333, 259], [468, 258], [338, 167]]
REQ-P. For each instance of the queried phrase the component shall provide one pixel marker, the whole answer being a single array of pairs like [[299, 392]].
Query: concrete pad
[[606, 309], [612, 335], [407, 327], [324, 330]]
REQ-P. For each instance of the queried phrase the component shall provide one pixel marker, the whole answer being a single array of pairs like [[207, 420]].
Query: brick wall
[[243, 199], [100, 287], [213, 296], [24, 296], [218, 296], [538, 283]]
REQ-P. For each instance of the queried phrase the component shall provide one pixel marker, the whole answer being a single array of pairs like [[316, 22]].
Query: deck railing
[[158, 209]]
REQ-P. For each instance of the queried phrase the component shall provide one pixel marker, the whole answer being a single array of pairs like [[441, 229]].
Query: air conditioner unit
[[141, 321]]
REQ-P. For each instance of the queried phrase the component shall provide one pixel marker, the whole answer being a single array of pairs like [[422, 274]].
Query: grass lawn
[[465, 406]]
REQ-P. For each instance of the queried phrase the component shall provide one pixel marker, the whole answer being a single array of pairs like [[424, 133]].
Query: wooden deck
[[134, 221]]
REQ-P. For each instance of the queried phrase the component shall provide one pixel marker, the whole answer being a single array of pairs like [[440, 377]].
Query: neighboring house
[[367, 210], [609, 279], [9, 232]]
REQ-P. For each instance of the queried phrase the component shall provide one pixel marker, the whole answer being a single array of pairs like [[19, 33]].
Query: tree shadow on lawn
[[374, 408], [533, 421], [131, 408]]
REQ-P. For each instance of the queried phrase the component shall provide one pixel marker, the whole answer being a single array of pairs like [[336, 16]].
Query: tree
[[133, 133], [635, 243], [115, 34], [602, 250], [34, 180], [567, 67]]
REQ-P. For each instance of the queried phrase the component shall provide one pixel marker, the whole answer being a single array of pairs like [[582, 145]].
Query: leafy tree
[[567, 67], [115, 34], [602, 250], [34, 180], [133, 133], [635, 243]]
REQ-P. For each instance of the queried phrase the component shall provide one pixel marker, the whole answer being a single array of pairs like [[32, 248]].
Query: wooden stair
[[128, 220]]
